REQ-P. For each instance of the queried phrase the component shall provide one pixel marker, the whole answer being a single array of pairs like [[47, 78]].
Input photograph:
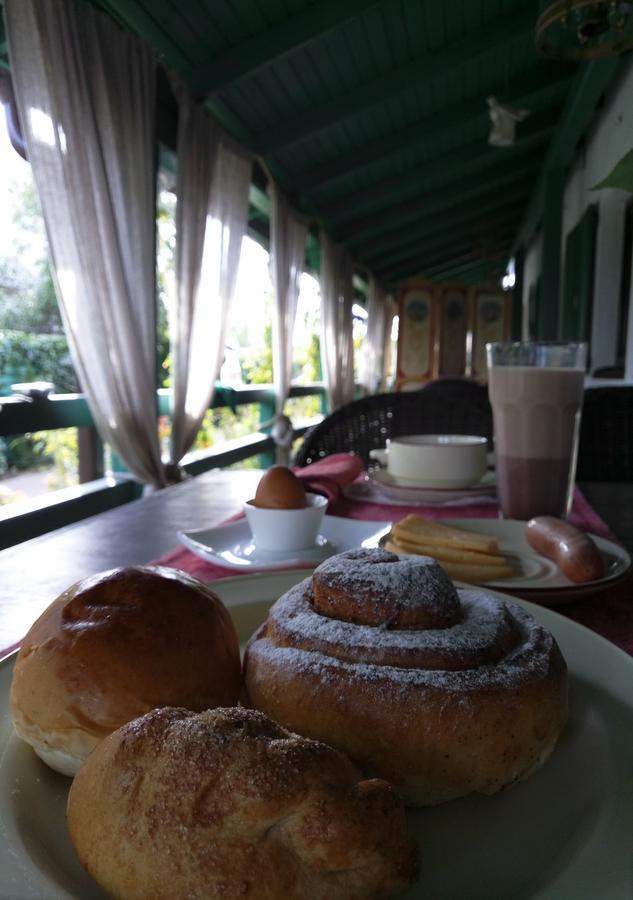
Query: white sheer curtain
[[288, 246], [85, 92], [211, 215], [337, 348], [373, 350]]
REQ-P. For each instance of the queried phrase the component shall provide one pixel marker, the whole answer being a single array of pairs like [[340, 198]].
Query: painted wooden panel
[[416, 335], [453, 329], [490, 311]]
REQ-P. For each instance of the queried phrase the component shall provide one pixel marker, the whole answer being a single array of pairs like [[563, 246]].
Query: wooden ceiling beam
[[134, 18], [499, 220], [474, 266], [271, 45], [456, 262], [429, 229], [459, 267], [446, 244], [390, 84], [478, 182], [539, 80], [458, 194], [506, 210], [442, 262], [472, 157], [590, 82]]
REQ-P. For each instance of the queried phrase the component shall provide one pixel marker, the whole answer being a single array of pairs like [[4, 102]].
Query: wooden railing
[[98, 490]]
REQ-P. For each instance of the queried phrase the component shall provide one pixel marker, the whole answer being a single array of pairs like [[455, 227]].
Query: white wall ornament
[[503, 121]]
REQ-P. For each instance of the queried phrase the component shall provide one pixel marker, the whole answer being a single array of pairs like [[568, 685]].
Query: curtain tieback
[[174, 473], [281, 430]]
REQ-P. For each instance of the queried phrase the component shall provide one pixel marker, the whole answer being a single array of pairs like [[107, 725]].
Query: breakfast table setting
[[552, 835], [361, 507]]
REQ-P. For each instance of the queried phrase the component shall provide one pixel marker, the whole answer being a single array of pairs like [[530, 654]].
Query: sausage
[[571, 549]]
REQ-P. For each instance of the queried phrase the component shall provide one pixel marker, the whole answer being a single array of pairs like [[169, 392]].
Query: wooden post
[[90, 454], [547, 325], [517, 295]]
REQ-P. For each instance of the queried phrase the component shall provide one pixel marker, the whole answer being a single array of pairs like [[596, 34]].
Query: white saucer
[[232, 545], [384, 478], [381, 487]]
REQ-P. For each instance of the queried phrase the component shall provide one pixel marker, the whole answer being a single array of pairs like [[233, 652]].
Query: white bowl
[[286, 529], [437, 460]]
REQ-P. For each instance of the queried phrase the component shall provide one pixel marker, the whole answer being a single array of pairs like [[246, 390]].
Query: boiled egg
[[279, 488]]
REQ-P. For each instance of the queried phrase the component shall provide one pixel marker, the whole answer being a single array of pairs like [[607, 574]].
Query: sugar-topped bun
[[441, 691], [227, 804], [115, 646]]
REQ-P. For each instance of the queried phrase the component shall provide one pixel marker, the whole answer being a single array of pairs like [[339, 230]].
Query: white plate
[[381, 487], [565, 834], [232, 545], [537, 574]]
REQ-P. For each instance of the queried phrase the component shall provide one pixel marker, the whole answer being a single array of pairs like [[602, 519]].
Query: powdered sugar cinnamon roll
[[442, 691]]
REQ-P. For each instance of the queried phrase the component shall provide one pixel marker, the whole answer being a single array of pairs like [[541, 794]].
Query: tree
[[27, 295]]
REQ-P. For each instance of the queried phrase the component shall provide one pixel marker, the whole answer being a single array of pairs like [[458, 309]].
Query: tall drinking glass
[[536, 390]]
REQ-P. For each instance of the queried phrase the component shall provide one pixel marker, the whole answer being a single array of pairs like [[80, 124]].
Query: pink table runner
[[609, 614]]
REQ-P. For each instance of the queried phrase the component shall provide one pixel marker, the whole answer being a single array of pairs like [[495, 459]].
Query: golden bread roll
[[227, 804], [111, 648], [441, 691]]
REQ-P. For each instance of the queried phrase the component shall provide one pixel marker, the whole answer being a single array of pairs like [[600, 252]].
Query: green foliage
[[32, 342], [28, 356], [165, 270], [257, 364], [42, 450], [28, 300], [163, 356], [313, 363], [220, 425], [303, 407], [620, 177], [61, 447], [27, 451]]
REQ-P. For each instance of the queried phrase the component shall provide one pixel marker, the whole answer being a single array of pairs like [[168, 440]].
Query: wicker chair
[[446, 406], [605, 447]]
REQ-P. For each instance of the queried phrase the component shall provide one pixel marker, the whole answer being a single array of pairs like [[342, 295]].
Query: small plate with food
[[502, 553], [233, 546], [285, 526]]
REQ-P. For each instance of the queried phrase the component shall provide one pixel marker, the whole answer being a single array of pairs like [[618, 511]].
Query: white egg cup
[[278, 530]]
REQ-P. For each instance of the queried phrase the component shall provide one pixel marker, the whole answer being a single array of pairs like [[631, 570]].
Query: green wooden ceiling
[[372, 114]]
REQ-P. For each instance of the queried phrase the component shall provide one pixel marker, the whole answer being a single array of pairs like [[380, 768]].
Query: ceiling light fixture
[[584, 29]]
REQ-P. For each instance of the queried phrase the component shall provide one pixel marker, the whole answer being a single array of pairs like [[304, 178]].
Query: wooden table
[[33, 573], [613, 501]]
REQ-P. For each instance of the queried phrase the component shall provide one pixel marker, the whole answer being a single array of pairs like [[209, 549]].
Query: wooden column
[[517, 295], [547, 325], [90, 454]]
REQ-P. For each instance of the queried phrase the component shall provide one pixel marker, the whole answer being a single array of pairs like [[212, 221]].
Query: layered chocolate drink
[[536, 422]]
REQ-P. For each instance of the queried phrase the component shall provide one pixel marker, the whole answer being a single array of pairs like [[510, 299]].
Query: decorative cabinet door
[[490, 322], [416, 335], [453, 336]]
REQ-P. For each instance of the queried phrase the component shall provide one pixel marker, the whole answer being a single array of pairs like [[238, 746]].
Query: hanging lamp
[[584, 29]]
